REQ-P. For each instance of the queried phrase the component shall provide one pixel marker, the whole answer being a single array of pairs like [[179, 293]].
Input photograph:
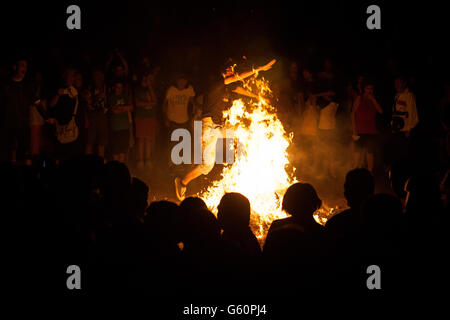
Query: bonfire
[[261, 170]]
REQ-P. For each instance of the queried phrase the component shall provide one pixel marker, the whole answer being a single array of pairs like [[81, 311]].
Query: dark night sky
[[415, 33]]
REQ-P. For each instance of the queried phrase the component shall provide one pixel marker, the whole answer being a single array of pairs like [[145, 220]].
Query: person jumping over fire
[[217, 100]]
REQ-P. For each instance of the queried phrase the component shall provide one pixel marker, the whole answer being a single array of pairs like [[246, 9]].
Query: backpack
[[69, 132]]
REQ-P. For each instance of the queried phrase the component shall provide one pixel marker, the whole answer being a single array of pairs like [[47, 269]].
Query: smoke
[[322, 161]]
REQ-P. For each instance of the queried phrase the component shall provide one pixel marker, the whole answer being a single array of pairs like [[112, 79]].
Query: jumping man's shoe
[[180, 189]]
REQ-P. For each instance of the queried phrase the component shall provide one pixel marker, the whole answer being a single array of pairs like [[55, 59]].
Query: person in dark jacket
[[16, 99]]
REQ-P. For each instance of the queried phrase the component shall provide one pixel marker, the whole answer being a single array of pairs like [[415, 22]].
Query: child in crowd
[[97, 132], [120, 107], [63, 108], [145, 119]]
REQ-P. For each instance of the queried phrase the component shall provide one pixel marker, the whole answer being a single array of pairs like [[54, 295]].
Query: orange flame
[[261, 172]]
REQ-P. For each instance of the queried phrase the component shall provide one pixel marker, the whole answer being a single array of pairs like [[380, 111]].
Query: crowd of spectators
[[68, 141], [97, 216]]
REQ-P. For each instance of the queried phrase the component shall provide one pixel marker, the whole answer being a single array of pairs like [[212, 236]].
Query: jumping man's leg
[[209, 141], [191, 175]]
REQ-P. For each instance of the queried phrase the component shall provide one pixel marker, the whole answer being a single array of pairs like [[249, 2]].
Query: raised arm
[[377, 105], [245, 92], [237, 77], [124, 63], [55, 99]]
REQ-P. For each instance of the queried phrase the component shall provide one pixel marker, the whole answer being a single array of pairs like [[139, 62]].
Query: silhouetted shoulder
[[343, 222], [280, 223]]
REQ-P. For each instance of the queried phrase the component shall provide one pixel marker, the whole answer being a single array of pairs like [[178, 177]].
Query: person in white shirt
[[404, 119], [176, 107], [177, 101], [405, 107]]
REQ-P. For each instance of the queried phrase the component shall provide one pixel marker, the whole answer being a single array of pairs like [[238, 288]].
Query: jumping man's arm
[[245, 92], [247, 74]]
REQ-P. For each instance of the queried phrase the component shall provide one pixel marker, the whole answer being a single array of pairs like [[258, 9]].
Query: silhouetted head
[[234, 211], [360, 80], [139, 197], [301, 201], [119, 71], [227, 67], [20, 68], [400, 84], [98, 77], [307, 74], [162, 220], [399, 173], [423, 196], [202, 227], [234, 64], [328, 65], [78, 80], [358, 186], [82, 174], [69, 76], [381, 214], [160, 209], [181, 81], [143, 79], [117, 178], [193, 204], [118, 87], [369, 88]]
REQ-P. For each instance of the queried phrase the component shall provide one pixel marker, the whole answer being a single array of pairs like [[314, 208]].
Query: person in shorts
[[219, 97], [176, 104], [120, 108], [145, 120], [364, 114]]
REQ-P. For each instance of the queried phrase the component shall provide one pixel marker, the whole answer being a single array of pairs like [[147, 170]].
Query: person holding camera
[[404, 119], [65, 117], [404, 116]]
